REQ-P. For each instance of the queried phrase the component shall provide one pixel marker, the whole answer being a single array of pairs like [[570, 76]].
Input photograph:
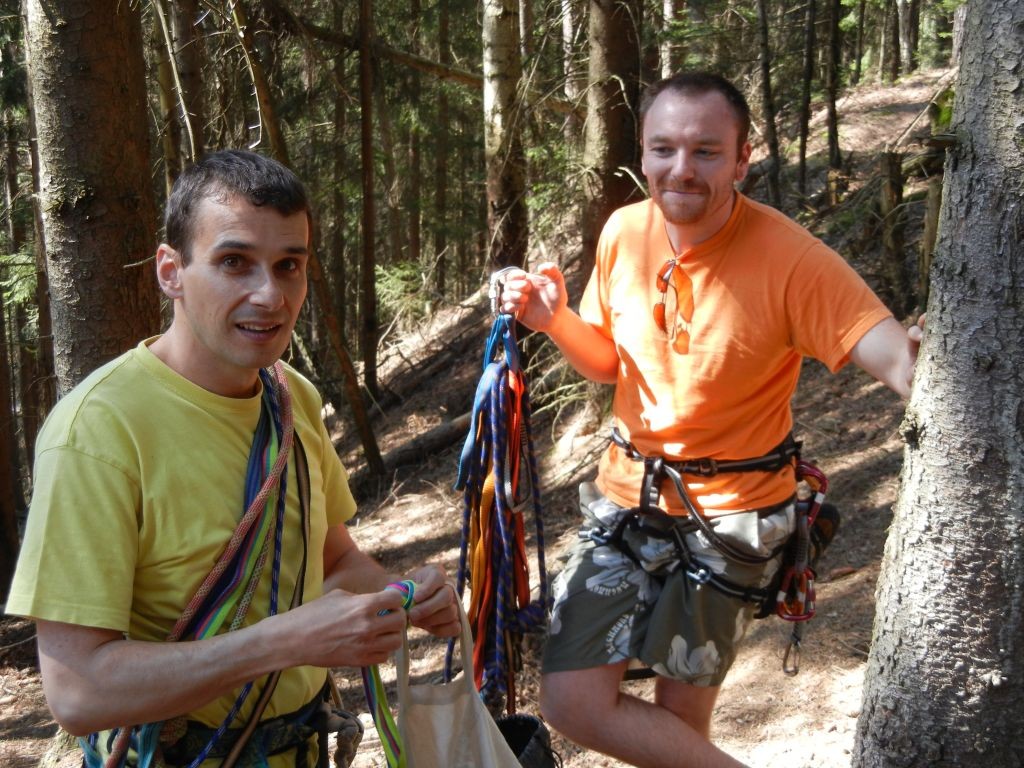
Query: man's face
[[691, 159], [237, 300]]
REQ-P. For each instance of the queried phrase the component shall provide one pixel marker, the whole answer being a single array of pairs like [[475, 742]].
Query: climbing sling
[[226, 594], [790, 595], [498, 477]]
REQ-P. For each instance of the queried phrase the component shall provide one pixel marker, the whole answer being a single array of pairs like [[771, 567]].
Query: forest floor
[[849, 425]]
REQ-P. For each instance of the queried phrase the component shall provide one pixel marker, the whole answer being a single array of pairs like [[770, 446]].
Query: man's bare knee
[[575, 703]]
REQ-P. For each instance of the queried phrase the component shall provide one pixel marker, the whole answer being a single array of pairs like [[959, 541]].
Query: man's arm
[[539, 301], [889, 352], [95, 678]]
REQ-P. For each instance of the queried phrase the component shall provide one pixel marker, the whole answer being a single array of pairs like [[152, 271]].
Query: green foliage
[[400, 291], [18, 282]]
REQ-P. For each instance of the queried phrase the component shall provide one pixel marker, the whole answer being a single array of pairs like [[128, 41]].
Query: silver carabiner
[[494, 289]]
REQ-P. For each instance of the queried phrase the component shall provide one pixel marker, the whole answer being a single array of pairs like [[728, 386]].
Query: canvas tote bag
[[446, 725]]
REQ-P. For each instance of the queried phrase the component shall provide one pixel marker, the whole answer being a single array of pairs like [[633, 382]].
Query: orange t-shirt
[[748, 304]]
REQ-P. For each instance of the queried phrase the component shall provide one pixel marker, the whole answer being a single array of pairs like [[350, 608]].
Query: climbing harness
[[376, 698], [227, 591], [498, 477], [791, 594]]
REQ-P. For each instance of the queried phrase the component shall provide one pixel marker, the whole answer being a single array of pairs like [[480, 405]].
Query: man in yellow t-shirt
[[144, 471], [700, 308]]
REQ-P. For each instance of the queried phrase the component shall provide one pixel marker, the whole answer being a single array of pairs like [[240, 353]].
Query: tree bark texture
[[945, 677], [504, 121], [611, 139], [771, 137], [99, 214]]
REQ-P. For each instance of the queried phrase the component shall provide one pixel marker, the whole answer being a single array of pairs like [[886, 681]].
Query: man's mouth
[[258, 328]]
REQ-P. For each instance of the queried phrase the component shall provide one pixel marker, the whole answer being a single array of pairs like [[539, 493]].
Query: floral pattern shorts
[[609, 609]]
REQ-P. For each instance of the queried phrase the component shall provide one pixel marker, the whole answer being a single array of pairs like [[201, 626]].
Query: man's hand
[[535, 299], [341, 629], [539, 301], [435, 609]]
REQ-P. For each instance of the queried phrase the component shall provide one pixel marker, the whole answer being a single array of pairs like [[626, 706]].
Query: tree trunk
[[905, 20], [891, 214], [99, 215], [611, 130], [344, 299], [503, 145], [413, 194], [169, 129], [43, 393], [9, 460], [189, 54], [8, 464], [945, 677], [832, 75], [390, 179], [858, 54], [573, 84], [368, 330], [441, 159], [805, 94], [768, 102]]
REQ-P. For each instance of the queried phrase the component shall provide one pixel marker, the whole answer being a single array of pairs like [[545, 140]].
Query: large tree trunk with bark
[[99, 214], [503, 126], [609, 152], [945, 678]]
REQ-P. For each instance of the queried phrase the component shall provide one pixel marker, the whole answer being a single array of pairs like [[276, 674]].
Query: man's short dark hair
[[699, 83], [226, 173]]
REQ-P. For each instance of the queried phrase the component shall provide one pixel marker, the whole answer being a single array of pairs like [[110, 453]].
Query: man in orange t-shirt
[[700, 309]]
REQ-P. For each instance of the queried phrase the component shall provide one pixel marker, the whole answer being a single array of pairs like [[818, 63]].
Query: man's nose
[[267, 291], [682, 165]]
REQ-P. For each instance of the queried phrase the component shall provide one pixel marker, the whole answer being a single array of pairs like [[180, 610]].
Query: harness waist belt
[[271, 737], [777, 458]]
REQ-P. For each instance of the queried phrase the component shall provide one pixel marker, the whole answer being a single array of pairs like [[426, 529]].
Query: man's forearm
[[122, 681], [590, 352]]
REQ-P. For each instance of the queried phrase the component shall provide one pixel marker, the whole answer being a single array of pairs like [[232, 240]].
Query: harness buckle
[[707, 467], [699, 575]]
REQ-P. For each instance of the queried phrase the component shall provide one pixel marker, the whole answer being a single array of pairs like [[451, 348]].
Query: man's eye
[[231, 261]]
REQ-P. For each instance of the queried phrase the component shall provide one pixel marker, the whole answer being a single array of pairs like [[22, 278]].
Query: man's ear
[[168, 271], [743, 162]]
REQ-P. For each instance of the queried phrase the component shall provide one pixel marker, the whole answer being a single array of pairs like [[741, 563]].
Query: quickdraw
[[499, 480], [794, 600]]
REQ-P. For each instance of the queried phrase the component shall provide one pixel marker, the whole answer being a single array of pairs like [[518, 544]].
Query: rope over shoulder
[[499, 479]]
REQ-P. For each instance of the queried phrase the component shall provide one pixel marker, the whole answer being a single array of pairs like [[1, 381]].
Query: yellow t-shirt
[[752, 301], [139, 485]]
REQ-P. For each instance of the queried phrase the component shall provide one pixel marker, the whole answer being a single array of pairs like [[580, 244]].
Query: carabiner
[[494, 289]]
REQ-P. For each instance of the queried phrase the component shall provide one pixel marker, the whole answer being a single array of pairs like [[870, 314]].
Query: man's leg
[[587, 707]]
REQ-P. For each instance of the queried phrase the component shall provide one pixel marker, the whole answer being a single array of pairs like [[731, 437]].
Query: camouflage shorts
[[609, 609]]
